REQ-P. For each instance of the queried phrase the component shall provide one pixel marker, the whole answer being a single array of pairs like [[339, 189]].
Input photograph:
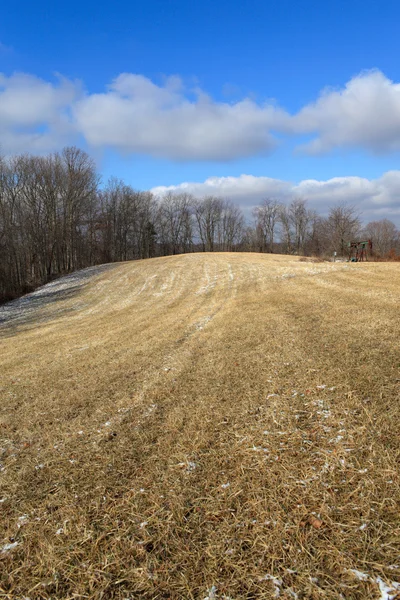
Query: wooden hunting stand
[[358, 251]]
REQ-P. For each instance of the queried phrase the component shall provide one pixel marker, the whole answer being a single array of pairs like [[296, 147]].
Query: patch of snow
[[231, 276], [7, 547], [22, 520], [388, 592], [336, 440], [225, 485], [202, 323], [275, 582], [27, 308], [211, 593]]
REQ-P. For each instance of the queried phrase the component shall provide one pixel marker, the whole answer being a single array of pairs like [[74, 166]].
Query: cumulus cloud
[[134, 115], [137, 116], [247, 190], [365, 114], [35, 115], [374, 198]]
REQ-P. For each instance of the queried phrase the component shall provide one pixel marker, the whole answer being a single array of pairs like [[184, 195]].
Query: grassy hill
[[203, 426]]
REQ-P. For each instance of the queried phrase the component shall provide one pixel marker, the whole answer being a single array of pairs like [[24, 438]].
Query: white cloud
[[136, 116], [247, 189], [374, 198], [365, 114], [35, 114]]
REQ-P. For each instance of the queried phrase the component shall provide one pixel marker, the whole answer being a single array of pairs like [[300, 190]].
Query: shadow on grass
[[31, 309]]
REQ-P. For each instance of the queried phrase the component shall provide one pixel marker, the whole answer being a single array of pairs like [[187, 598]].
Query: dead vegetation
[[315, 259], [205, 426]]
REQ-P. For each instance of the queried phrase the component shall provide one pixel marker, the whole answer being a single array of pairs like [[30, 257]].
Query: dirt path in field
[[218, 425]]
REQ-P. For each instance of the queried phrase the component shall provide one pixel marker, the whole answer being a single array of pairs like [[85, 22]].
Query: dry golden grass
[[208, 425]]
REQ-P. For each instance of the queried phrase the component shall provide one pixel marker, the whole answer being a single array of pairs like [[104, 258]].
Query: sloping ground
[[203, 426]]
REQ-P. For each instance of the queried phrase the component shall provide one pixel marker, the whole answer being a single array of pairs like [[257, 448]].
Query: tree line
[[55, 218]]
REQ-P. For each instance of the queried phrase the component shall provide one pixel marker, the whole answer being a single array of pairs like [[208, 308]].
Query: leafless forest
[[56, 217]]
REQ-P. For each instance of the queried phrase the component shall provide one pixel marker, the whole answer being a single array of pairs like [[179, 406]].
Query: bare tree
[[127, 223], [266, 219], [175, 223], [384, 235], [55, 219], [77, 190], [230, 227], [249, 241], [299, 218], [342, 226], [208, 213], [286, 228], [316, 240]]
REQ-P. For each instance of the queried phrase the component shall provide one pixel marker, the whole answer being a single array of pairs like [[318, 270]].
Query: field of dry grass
[[220, 426]]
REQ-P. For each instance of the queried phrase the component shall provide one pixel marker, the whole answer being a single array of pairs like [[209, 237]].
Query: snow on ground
[[27, 308], [387, 591], [137, 280]]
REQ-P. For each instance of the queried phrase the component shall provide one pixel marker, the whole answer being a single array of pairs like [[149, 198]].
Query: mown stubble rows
[[215, 425]]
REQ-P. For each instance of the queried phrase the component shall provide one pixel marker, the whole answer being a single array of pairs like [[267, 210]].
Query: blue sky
[[214, 89]]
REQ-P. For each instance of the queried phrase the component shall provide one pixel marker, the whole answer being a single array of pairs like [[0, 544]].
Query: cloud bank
[[36, 115], [374, 198], [137, 116], [134, 115]]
